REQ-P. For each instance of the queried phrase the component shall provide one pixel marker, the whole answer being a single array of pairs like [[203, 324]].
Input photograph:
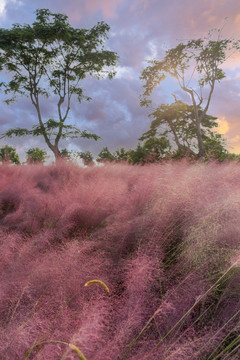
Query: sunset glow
[[223, 126]]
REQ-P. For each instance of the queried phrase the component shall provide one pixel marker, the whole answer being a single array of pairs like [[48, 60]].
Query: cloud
[[140, 30], [235, 144], [2, 7], [223, 126], [108, 8], [5, 3], [125, 72], [232, 62], [114, 113], [80, 10]]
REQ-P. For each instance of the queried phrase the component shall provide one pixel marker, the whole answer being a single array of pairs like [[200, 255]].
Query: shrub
[[8, 154], [36, 156]]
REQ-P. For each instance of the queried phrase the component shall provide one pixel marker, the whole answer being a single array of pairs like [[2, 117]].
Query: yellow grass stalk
[[97, 282], [72, 346]]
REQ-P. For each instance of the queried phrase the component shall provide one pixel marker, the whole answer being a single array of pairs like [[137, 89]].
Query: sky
[[141, 30]]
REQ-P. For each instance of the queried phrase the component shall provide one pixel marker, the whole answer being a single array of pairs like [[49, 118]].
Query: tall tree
[[196, 67], [50, 58]]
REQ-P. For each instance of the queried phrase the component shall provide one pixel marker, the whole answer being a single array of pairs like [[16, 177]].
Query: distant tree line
[[8, 155], [150, 151]]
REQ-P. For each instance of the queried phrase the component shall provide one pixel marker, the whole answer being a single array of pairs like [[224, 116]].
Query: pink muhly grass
[[163, 238]]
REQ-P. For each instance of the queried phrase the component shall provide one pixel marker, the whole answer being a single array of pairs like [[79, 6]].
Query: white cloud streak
[[3, 6]]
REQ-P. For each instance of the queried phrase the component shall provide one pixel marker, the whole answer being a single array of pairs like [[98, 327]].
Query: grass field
[[164, 239]]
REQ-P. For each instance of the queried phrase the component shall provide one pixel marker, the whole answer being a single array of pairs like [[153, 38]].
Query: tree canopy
[[176, 124], [196, 66], [51, 58]]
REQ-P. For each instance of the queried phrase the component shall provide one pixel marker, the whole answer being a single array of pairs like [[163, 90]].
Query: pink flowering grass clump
[[164, 239]]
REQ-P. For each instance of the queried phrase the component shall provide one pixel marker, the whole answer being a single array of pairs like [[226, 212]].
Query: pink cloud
[[107, 7], [77, 10]]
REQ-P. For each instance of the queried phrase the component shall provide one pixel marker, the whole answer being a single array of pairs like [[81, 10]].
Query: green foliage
[[50, 128], [121, 155], [152, 150], [159, 146], [52, 57], [138, 156], [66, 154], [105, 155], [207, 56], [86, 156], [8, 154], [15, 132], [175, 124], [215, 146], [36, 156]]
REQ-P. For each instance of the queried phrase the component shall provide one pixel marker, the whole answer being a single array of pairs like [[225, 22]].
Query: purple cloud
[[140, 30]]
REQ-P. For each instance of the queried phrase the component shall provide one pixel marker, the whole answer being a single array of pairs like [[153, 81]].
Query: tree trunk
[[198, 119], [56, 152], [52, 147], [201, 147]]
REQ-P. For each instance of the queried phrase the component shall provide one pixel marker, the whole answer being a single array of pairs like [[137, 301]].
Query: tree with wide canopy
[[50, 59], [196, 67]]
